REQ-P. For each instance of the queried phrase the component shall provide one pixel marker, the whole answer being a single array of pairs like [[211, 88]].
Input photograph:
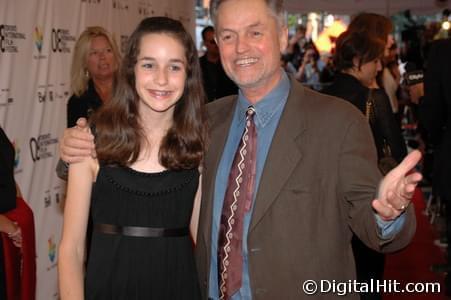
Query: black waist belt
[[137, 231]]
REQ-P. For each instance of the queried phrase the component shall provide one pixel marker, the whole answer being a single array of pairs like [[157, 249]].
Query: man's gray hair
[[275, 6]]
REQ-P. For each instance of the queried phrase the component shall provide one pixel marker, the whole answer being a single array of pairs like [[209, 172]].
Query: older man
[[314, 178], [289, 176]]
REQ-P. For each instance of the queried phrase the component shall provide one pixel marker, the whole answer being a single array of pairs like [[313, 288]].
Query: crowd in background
[[410, 92]]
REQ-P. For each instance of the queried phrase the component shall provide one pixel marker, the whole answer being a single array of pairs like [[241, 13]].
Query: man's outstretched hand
[[397, 187]]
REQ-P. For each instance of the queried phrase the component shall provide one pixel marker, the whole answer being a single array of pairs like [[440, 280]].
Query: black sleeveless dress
[[129, 267]]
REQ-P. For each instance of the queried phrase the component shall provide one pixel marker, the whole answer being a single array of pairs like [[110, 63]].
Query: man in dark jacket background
[[216, 83], [435, 116]]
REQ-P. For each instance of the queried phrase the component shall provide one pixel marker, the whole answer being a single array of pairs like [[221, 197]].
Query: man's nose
[[241, 44]]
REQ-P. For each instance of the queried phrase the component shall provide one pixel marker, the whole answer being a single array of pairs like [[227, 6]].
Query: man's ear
[[283, 38]]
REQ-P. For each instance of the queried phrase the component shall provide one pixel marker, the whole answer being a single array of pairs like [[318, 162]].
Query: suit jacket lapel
[[220, 126], [284, 153]]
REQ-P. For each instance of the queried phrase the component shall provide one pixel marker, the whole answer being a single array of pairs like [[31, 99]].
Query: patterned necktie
[[237, 202]]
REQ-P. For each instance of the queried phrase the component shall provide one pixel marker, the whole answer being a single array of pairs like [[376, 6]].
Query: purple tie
[[237, 202]]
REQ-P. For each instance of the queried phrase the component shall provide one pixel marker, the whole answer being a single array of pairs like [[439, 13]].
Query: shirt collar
[[268, 106]]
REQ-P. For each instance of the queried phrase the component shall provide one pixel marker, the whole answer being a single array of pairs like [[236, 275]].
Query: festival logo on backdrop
[[59, 194], [38, 37], [49, 93], [120, 4], [124, 40], [57, 198], [63, 94], [51, 252], [47, 199], [5, 98], [145, 9], [53, 198], [42, 147], [16, 157], [9, 36], [61, 40], [45, 93], [52, 249]]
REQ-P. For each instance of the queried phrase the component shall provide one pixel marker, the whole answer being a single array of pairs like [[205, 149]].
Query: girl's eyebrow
[[176, 60], [146, 58]]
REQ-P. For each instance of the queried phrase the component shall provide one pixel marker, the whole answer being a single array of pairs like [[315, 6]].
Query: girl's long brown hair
[[119, 135]]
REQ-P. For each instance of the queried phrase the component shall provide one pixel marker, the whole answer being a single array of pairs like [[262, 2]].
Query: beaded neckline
[[190, 177], [146, 174]]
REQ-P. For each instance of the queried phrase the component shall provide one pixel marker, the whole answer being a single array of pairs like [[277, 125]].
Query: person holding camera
[[309, 71]]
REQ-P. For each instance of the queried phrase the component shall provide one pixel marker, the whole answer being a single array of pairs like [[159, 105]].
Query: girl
[[141, 188]]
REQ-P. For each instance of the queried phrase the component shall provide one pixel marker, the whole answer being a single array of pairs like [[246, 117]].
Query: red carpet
[[413, 263]]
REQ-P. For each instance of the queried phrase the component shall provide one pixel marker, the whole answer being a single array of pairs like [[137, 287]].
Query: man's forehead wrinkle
[[250, 26]]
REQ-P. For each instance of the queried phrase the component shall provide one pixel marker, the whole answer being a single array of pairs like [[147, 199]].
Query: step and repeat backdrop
[[37, 38]]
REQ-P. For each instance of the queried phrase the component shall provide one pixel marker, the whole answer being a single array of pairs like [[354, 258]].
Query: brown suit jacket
[[316, 189]]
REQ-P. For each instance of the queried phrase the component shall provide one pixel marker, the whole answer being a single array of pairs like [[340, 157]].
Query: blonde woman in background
[[93, 72]]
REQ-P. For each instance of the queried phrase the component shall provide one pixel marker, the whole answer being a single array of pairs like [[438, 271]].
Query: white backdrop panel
[[36, 46]]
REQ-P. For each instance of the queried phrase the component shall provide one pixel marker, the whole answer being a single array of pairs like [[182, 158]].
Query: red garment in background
[[20, 263]]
